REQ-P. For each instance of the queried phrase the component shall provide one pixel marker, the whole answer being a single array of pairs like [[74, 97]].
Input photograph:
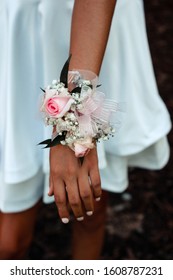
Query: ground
[[140, 221]]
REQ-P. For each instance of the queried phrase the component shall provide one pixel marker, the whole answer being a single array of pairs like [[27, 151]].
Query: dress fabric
[[34, 46]]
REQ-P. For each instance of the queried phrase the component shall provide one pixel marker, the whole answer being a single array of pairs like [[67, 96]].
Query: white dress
[[34, 46]]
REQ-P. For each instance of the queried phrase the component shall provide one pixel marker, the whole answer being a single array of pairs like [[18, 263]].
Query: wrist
[[81, 116]]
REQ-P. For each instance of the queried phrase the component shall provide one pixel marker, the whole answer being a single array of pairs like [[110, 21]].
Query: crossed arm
[[74, 185]]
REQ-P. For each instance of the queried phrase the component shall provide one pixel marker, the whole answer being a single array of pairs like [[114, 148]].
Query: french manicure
[[65, 220], [89, 213], [80, 219], [98, 198]]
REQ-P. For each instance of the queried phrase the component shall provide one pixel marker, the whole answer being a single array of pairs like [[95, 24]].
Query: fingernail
[[80, 219], [89, 213], [65, 220], [98, 198]]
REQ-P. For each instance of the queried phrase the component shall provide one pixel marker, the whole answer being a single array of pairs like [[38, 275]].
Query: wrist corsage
[[78, 112]]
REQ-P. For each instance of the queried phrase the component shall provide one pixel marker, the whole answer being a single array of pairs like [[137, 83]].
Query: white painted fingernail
[[65, 220], [89, 213], [98, 198], [80, 219]]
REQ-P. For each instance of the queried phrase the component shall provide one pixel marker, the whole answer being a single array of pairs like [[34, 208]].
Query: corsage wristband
[[79, 113]]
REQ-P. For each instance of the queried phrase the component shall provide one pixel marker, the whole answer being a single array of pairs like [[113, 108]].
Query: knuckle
[[74, 202], [71, 178], [59, 200], [55, 173], [85, 194], [97, 184], [71, 174], [71, 170]]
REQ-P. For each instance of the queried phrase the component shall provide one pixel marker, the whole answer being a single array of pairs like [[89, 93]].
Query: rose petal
[[80, 150], [58, 106]]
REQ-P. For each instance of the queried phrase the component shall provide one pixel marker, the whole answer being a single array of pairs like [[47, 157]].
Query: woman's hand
[[72, 183]]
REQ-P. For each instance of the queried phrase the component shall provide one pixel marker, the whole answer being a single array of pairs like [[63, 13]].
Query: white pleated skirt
[[34, 46]]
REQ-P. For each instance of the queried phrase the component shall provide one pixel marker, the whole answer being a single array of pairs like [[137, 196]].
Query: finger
[[61, 200], [96, 183], [50, 192], [86, 194], [74, 199]]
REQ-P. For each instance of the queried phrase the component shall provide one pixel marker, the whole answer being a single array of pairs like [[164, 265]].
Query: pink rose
[[82, 147], [57, 106]]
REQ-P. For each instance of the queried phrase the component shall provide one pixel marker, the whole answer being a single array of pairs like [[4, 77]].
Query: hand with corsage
[[80, 116]]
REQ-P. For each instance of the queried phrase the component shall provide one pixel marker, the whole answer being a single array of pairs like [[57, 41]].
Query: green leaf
[[48, 141], [51, 143], [64, 72], [57, 140], [76, 89], [42, 89]]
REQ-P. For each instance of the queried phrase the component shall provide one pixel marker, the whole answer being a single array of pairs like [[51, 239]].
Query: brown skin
[[69, 181], [91, 23], [88, 235], [90, 28], [16, 233]]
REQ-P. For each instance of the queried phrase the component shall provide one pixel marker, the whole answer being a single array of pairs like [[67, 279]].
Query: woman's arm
[[70, 182], [90, 28]]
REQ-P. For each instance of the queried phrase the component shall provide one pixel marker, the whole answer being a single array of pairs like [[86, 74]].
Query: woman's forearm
[[90, 28]]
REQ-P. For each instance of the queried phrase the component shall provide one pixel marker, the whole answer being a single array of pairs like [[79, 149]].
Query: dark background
[[140, 221]]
